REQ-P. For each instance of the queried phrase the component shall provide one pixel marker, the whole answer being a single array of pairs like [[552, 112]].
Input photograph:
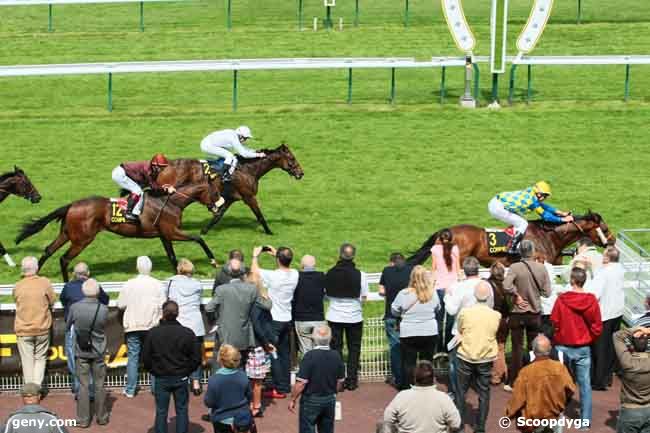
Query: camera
[[267, 248]]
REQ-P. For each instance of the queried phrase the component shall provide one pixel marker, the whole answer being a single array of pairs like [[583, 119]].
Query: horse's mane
[[549, 227], [268, 152], [6, 176]]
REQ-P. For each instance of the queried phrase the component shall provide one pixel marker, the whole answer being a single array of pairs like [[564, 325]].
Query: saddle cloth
[[118, 210], [213, 167], [499, 240]]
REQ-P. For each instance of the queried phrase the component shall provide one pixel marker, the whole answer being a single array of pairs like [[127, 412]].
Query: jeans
[[198, 373], [579, 358], [453, 374], [392, 333], [520, 324], [165, 387], [353, 335], [477, 375], [317, 411], [281, 367], [134, 343], [303, 332], [70, 344], [635, 420], [91, 370], [411, 347]]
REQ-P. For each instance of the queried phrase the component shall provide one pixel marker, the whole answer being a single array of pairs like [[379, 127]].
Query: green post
[[300, 14], [49, 18], [142, 16], [110, 92], [511, 87], [627, 82], [392, 85], [328, 17], [229, 15], [477, 77], [356, 13], [495, 87], [579, 11], [529, 91], [349, 86], [234, 90], [443, 80], [406, 13]]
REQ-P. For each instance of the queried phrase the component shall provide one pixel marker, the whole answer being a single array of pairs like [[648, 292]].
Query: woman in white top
[[186, 291], [416, 306]]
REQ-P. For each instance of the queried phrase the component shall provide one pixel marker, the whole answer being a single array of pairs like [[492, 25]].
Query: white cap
[[244, 131]]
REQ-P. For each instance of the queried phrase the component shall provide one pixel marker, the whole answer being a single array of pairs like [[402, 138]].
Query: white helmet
[[244, 131]]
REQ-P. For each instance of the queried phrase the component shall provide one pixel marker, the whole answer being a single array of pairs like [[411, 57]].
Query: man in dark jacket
[[88, 317], [171, 353], [71, 294], [577, 322], [224, 276], [307, 305], [33, 418]]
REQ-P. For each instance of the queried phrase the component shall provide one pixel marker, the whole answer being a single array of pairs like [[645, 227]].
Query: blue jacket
[[72, 293], [228, 394]]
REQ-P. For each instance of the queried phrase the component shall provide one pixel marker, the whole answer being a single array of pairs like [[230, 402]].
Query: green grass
[[383, 177]]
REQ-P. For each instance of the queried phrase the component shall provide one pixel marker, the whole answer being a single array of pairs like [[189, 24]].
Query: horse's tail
[[421, 255], [32, 228]]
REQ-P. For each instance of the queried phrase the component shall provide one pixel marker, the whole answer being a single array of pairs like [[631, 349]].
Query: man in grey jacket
[[89, 319], [33, 418], [231, 305]]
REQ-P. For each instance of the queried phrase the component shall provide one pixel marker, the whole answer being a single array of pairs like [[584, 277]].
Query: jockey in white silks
[[225, 144]]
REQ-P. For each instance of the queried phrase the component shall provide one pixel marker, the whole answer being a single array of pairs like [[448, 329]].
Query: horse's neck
[[260, 167], [563, 236], [6, 189]]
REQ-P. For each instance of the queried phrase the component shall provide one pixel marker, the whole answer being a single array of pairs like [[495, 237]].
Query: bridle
[[28, 195]]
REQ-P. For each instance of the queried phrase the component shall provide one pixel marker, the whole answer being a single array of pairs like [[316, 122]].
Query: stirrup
[[131, 217]]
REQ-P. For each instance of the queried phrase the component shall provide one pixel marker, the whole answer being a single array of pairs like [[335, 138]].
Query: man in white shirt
[[281, 284], [589, 256], [607, 285], [225, 143]]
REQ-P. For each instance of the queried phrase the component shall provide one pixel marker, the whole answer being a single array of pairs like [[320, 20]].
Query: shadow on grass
[[237, 222]]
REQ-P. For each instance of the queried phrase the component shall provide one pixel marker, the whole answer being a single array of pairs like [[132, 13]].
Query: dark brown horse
[[161, 218], [549, 239], [17, 183], [245, 180]]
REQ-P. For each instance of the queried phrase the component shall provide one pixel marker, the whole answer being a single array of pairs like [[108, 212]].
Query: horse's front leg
[[252, 204], [178, 235], [6, 256], [217, 217]]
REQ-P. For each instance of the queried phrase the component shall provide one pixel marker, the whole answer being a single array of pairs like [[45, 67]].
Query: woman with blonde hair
[[228, 396], [186, 291], [416, 306]]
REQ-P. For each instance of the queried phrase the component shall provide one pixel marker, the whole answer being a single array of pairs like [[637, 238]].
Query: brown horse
[[549, 239], [245, 180], [17, 183], [161, 218]]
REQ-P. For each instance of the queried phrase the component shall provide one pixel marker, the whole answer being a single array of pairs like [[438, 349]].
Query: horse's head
[[593, 225], [206, 192], [23, 187], [287, 161]]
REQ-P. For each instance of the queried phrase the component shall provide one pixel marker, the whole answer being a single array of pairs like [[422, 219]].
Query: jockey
[[225, 143], [133, 176], [510, 206]]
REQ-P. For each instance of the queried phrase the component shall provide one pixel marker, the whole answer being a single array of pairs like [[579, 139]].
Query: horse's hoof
[[214, 263]]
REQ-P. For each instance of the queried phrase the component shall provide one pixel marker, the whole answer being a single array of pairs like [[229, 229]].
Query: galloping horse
[[17, 183], [244, 181], [549, 239], [161, 217]]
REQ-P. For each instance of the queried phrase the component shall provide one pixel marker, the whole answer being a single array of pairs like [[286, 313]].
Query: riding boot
[[227, 175], [514, 246], [130, 204]]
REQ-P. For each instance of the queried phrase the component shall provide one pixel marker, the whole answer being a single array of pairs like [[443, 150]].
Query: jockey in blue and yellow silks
[[510, 207]]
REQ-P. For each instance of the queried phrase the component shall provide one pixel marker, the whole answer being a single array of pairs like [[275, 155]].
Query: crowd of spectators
[[571, 336]]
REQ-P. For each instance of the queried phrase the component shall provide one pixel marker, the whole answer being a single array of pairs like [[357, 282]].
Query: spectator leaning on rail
[[542, 389], [459, 296], [394, 278], [70, 295], [32, 417], [225, 275], [607, 285], [346, 288], [477, 330], [416, 306], [171, 353], [88, 317], [34, 298], [633, 352], [445, 264], [186, 291], [576, 319], [319, 378], [502, 304], [587, 254], [528, 281], [307, 305], [644, 321], [140, 299], [422, 408], [281, 283]]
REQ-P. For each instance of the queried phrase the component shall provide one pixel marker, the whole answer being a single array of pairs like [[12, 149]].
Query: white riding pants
[[119, 177], [496, 209], [212, 150]]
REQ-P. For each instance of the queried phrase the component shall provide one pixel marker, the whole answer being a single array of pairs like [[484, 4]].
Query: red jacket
[[140, 173], [576, 319]]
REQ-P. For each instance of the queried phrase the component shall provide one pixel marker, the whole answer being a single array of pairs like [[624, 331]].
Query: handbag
[[85, 337], [398, 321]]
